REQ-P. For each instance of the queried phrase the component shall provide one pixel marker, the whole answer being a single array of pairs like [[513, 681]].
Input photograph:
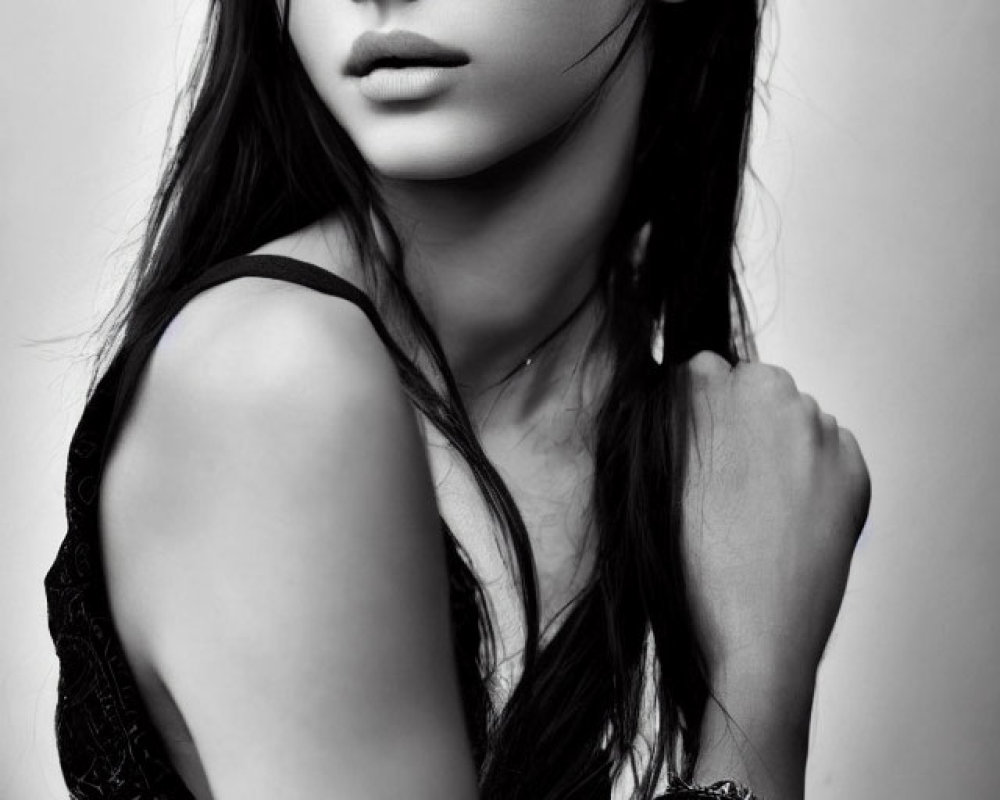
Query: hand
[[775, 498]]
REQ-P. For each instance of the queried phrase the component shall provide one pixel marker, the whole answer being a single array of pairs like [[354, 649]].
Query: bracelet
[[722, 790]]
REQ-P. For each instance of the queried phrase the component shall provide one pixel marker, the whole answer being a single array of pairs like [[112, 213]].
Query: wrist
[[756, 729], [775, 674], [765, 693]]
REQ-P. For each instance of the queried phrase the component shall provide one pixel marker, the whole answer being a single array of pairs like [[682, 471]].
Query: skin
[[776, 496], [243, 509], [477, 187], [472, 171], [493, 250], [495, 255]]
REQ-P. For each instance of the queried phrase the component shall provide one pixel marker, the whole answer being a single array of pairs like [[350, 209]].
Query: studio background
[[872, 259]]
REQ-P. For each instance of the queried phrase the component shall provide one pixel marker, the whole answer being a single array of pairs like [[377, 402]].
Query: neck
[[499, 259]]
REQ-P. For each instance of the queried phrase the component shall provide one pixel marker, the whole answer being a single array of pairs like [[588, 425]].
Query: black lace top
[[108, 745]]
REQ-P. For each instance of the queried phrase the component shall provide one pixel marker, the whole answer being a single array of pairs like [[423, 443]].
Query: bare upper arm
[[273, 550]]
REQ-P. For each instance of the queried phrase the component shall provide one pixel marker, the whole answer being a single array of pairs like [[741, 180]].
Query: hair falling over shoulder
[[260, 156]]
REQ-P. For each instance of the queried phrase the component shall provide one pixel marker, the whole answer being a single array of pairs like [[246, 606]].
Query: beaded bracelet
[[722, 790]]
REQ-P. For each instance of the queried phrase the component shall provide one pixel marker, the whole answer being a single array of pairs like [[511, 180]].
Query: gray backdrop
[[872, 260]]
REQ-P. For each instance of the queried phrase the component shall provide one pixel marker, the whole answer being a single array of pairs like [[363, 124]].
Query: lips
[[398, 50]]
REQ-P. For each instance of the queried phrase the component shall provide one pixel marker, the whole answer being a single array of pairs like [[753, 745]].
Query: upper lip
[[404, 46]]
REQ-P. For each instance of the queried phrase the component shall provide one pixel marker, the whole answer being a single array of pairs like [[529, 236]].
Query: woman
[[519, 519]]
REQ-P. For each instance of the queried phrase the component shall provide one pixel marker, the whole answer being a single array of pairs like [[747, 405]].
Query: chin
[[409, 161], [424, 151], [424, 167]]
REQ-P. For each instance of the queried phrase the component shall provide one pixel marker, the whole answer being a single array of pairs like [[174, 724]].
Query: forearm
[[763, 742]]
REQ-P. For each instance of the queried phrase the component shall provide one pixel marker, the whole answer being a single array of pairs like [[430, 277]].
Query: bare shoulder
[[240, 341], [268, 521], [256, 387]]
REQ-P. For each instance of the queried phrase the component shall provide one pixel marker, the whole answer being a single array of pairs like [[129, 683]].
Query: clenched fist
[[775, 498]]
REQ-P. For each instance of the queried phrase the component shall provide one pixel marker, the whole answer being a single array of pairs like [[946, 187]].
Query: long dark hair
[[261, 156]]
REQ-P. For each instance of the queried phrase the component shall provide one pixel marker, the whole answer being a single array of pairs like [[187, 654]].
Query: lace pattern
[[108, 746], [722, 790]]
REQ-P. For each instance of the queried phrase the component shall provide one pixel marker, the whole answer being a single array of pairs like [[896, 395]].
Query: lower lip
[[391, 85]]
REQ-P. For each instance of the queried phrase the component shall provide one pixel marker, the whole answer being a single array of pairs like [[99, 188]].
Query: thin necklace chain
[[529, 359], [635, 256]]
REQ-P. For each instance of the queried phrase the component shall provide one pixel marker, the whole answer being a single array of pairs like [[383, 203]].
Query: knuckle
[[857, 467], [769, 379], [707, 362], [829, 427], [851, 447], [810, 405], [781, 381], [811, 416]]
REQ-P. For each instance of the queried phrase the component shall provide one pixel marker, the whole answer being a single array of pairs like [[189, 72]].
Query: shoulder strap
[[115, 390], [289, 269]]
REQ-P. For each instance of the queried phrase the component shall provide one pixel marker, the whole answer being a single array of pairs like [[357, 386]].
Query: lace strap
[[721, 790]]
